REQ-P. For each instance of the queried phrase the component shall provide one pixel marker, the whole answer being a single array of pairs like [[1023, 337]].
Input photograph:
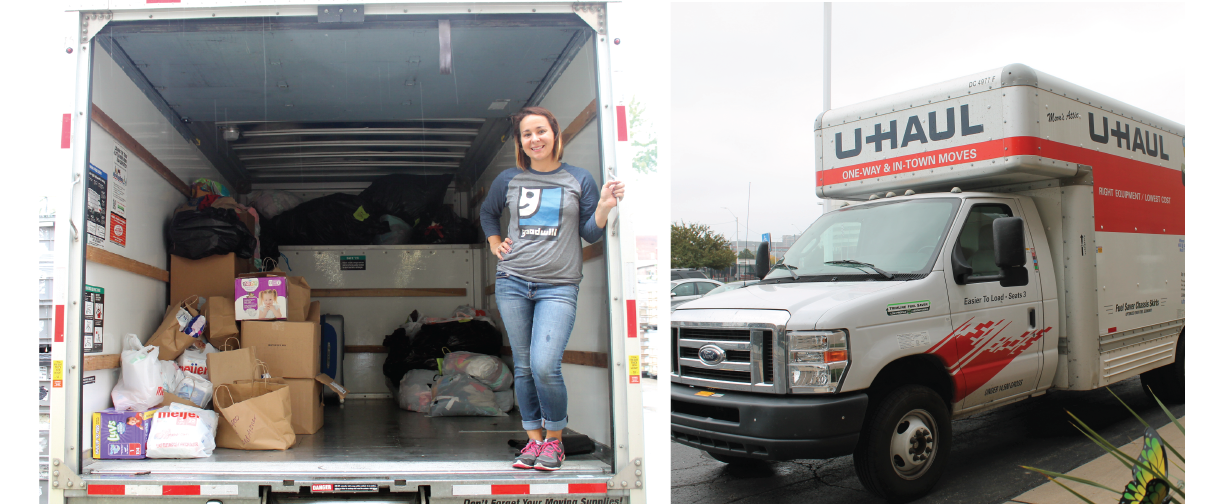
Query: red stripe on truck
[[59, 323], [66, 132], [631, 309], [588, 488], [511, 489], [1130, 196], [107, 489], [622, 127], [180, 489]]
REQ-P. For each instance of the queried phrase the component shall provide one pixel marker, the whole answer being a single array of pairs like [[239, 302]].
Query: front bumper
[[767, 427]]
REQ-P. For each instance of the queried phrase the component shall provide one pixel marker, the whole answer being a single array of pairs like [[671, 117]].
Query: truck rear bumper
[[767, 427]]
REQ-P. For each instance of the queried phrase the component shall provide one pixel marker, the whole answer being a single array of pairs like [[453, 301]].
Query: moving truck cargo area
[[996, 236], [312, 106]]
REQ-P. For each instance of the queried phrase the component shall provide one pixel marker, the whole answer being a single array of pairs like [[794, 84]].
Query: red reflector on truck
[[162, 490], [532, 489], [59, 323], [631, 310], [66, 132], [622, 126]]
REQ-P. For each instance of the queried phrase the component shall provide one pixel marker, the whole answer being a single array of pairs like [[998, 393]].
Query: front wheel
[[905, 443]]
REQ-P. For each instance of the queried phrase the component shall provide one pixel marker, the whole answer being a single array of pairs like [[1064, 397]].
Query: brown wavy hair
[[524, 161]]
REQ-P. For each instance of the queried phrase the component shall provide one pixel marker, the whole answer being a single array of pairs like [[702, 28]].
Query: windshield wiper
[[856, 264], [789, 269]]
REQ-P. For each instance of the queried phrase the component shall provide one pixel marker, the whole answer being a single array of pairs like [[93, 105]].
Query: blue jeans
[[539, 318]]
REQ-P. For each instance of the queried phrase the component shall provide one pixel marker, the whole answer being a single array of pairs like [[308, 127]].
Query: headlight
[[816, 360]]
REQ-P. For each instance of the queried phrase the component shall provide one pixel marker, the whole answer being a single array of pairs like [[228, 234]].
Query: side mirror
[[1016, 276], [1009, 242], [673, 294], [762, 260]]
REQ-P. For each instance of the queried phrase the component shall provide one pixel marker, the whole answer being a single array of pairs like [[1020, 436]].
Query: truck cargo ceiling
[[292, 99]]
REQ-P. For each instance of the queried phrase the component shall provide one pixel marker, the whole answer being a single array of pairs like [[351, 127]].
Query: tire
[[1165, 382], [732, 459], [909, 418]]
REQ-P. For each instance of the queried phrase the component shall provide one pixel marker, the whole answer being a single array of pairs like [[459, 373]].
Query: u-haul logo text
[[1144, 141], [914, 132]]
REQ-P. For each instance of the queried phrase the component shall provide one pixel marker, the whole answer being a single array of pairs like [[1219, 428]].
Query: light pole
[[736, 247]]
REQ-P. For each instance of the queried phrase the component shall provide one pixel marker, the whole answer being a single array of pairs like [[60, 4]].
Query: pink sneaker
[[526, 459], [551, 456]]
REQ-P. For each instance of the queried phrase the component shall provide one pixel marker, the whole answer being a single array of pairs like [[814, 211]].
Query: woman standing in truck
[[552, 204]]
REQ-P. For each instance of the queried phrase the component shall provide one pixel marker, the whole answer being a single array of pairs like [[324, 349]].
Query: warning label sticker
[[57, 374], [635, 369], [353, 263], [343, 487]]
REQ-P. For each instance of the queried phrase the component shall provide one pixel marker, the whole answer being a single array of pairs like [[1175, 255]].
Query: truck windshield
[[897, 237]]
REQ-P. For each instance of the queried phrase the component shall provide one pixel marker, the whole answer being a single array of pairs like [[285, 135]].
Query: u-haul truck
[[1010, 233]]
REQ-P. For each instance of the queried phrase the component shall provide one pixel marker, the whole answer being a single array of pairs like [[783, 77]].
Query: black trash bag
[[196, 234], [407, 196], [399, 348], [444, 227], [335, 219]]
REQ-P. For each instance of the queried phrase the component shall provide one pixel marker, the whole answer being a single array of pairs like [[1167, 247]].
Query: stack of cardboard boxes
[[281, 326]]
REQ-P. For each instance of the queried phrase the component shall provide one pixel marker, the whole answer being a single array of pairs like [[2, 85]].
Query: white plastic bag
[[273, 203], [506, 400], [416, 390], [193, 361], [171, 375], [140, 380], [461, 395], [486, 369], [195, 388], [181, 431]]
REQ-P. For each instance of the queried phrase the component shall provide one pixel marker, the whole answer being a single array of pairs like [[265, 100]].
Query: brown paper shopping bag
[[256, 415], [169, 340], [299, 299], [219, 312], [231, 364]]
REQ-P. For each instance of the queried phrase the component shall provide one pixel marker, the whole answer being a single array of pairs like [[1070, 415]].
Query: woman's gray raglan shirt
[[548, 213]]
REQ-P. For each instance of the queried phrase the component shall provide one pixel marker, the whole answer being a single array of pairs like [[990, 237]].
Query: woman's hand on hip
[[500, 247]]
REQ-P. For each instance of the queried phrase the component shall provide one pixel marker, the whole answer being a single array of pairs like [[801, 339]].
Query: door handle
[[1032, 318]]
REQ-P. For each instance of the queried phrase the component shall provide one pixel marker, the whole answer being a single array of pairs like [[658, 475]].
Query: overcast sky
[[746, 83], [637, 61]]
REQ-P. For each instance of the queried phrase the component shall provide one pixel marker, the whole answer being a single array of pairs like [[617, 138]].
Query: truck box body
[[1019, 130], [156, 89], [1087, 290]]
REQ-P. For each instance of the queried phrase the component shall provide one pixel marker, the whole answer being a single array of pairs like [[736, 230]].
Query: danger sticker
[[344, 487], [908, 307], [635, 369]]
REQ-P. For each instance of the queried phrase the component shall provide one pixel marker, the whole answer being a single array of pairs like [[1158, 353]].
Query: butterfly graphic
[[1151, 473]]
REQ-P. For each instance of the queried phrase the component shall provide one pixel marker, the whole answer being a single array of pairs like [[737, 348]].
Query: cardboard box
[[290, 293], [261, 296], [290, 349], [306, 400], [207, 277], [123, 434]]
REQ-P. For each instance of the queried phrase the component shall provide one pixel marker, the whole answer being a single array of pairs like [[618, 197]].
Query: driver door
[[996, 330]]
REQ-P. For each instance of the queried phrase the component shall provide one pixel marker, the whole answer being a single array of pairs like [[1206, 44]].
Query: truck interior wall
[[589, 386], [134, 304]]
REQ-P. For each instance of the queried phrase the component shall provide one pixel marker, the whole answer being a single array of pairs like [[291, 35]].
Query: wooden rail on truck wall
[[100, 362], [576, 357], [440, 292], [126, 140], [100, 256]]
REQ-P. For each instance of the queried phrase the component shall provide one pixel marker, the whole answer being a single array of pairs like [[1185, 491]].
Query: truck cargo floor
[[369, 437]]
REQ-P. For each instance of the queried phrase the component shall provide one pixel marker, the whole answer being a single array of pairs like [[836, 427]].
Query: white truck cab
[[1010, 233]]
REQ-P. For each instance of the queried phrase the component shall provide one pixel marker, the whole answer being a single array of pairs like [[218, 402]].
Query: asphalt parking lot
[[988, 450]]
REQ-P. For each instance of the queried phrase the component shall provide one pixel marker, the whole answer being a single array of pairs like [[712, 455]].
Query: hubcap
[[913, 444]]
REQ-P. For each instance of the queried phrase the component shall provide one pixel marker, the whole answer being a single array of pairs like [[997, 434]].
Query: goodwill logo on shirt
[[540, 212]]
